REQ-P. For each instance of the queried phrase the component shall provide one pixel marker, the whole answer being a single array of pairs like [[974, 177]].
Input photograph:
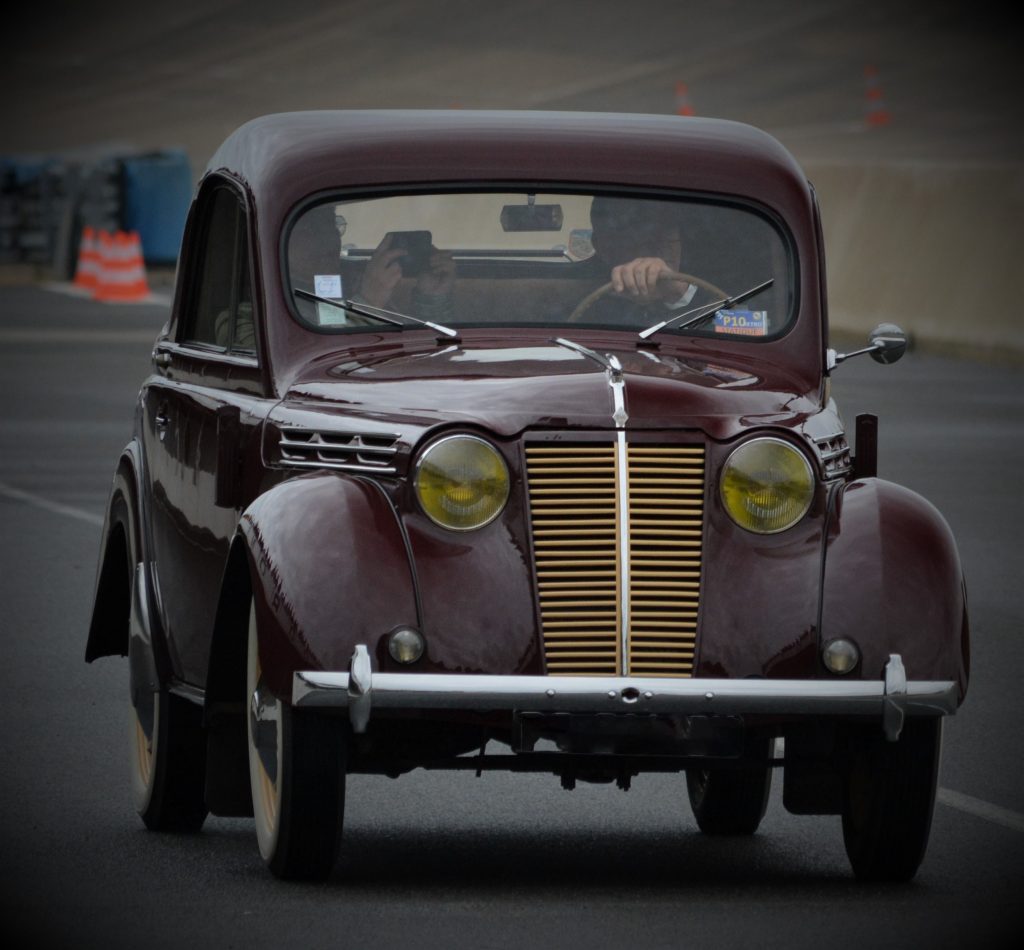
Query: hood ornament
[[616, 379]]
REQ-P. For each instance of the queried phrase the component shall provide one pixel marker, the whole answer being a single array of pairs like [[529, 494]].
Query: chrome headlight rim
[[786, 444], [421, 460]]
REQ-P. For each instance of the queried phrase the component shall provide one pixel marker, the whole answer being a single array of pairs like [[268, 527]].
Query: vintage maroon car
[[484, 440]]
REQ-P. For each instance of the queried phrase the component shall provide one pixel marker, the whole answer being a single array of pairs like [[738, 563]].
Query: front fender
[[121, 549], [893, 583], [330, 569]]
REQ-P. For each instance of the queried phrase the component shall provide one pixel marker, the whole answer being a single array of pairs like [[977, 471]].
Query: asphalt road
[[446, 860]]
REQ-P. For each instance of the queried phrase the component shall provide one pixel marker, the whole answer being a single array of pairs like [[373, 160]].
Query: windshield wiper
[[374, 313], [705, 310]]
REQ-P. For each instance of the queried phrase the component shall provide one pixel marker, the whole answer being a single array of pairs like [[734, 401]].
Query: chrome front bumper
[[360, 690]]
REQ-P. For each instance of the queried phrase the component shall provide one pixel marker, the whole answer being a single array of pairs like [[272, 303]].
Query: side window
[[221, 313]]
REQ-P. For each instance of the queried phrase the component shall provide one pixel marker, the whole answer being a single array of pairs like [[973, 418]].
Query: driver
[[638, 244]]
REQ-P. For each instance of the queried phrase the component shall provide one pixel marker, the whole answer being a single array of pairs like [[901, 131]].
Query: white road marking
[[68, 511], [48, 336], [966, 803], [981, 809], [60, 287]]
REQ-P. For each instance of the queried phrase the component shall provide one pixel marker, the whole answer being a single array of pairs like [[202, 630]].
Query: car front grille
[[617, 550]]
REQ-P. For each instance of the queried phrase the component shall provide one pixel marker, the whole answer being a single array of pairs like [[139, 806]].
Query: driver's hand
[[648, 279], [382, 274], [438, 278]]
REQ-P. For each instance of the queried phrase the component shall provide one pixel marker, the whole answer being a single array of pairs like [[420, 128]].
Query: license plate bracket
[[632, 734]]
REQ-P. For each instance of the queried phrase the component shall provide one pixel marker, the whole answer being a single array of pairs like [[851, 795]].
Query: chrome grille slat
[[578, 496]]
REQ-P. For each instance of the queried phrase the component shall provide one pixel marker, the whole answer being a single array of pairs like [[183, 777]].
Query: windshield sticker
[[580, 247], [327, 285], [749, 322]]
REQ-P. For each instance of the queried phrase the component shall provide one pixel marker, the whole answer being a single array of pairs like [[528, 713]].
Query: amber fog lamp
[[767, 485], [406, 645], [461, 482], [840, 656]]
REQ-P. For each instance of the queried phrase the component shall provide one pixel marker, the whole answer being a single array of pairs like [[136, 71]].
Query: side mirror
[[886, 344]]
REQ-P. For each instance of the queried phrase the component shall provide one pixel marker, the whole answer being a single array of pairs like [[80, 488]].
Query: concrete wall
[[937, 249]]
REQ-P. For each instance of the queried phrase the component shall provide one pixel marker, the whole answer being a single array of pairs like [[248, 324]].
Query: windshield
[[541, 259]]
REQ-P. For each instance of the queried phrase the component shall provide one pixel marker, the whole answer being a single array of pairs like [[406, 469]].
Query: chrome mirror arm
[[887, 344]]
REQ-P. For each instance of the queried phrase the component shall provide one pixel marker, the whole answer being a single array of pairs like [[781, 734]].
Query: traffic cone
[[87, 269], [122, 269], [876, 113], [683, 106]]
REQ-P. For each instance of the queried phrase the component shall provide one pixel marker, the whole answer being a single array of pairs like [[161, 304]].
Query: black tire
[[889, 797], [731, 801], [297, 777], [168, 751]]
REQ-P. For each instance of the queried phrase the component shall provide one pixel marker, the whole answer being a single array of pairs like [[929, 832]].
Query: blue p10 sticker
[[749, 322]]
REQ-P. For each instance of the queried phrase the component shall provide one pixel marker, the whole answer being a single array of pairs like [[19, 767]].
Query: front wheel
[[731, 801], [888, 799], [297, 777]]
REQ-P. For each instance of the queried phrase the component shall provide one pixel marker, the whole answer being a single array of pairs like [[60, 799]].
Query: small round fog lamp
[[840, 656], [405, 645]]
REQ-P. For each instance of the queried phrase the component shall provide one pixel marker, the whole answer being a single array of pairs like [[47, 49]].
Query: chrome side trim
[[361, 689]]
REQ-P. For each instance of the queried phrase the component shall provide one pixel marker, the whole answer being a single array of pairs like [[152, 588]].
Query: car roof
[[284, 157]]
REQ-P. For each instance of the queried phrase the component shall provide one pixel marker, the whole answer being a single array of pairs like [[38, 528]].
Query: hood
[[507, 387]]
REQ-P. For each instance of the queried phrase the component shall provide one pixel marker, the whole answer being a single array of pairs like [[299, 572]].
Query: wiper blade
[[705, 310], [374, 313]]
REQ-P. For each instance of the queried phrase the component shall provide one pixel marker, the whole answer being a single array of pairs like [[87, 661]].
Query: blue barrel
[[156, 197]]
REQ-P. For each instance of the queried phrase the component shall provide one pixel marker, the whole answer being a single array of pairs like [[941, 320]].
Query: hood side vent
[[368, 452], [834, 452]]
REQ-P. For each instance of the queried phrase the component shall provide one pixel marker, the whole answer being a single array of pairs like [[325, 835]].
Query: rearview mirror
[[531, 217]]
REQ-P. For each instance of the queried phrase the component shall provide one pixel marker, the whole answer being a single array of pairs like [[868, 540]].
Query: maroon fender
[[894, 584], [759, 601], [330, 569], [120, 547], [479, 607]]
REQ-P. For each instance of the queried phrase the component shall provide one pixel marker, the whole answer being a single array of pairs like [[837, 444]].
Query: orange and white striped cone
[[876, 114], [683, 106], [122, 271], [87, 270]]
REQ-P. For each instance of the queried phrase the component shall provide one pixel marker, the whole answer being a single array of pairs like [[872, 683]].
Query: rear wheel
[[888, 799], [297, 776], [168, 756], [731, 801]]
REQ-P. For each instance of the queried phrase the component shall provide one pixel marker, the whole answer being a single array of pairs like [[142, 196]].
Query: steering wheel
[[587, 302]]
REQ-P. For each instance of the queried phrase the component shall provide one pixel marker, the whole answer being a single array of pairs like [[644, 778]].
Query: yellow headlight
[[767, 485], [461, 482]]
